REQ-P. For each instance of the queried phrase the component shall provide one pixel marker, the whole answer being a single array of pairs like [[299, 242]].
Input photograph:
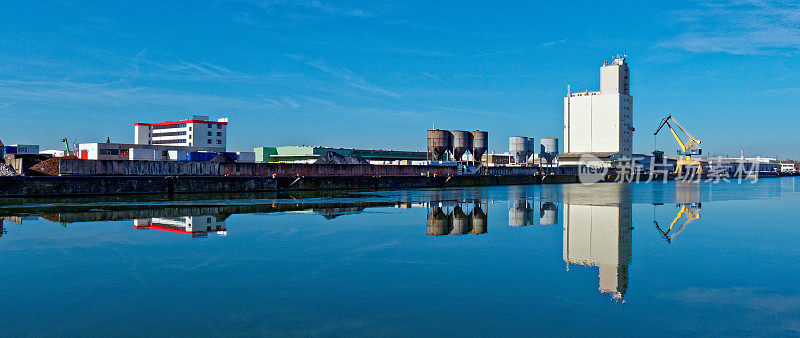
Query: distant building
[[788, 168], [197, 132], [601, 121], [291, 154]]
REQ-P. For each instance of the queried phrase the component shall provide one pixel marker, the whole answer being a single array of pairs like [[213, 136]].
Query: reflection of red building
[[198, 226]]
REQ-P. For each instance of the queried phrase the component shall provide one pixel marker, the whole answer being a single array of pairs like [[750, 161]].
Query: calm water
[[520, 260]]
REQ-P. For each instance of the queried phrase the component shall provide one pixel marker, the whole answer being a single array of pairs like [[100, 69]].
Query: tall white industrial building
[[601, 122]]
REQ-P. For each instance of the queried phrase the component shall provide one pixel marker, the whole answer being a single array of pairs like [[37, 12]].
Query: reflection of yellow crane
[[687, 149], [690, 210]]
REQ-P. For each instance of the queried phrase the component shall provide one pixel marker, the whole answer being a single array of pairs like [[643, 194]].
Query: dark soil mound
[[336, 158], [222, 158]]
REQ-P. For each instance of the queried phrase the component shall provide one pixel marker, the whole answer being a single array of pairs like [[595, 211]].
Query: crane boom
[[689, 148]]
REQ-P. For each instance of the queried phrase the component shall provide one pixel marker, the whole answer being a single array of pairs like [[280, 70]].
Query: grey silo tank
[[518, 147]]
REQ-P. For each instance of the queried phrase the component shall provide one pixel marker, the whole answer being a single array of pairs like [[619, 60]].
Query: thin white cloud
[[349, 77], [739, 27], [118, 93]]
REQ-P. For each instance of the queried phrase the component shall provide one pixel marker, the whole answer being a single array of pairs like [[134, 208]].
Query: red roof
[[179, 122]]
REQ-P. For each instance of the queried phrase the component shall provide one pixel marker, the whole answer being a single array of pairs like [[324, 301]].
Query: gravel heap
[[50, 166], [336, 158]]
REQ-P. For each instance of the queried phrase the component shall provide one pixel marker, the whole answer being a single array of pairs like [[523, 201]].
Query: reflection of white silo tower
[[520, 210], [548, 213]]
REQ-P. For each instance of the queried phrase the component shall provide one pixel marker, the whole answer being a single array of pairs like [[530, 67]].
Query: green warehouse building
[[289, 154]]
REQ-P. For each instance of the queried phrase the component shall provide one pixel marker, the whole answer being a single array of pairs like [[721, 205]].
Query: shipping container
[[24, 149], [200, 156], [246, 156]]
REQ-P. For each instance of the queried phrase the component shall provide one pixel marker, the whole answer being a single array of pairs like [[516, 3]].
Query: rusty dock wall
[[88, 178]]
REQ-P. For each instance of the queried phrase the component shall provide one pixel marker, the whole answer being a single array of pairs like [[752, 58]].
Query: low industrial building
[[301, 154], [788, 168]]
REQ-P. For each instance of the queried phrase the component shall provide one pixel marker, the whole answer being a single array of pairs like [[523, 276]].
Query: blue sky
[[377, 74]]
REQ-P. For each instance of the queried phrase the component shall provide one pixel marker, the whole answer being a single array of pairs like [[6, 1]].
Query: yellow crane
[[692, 147]]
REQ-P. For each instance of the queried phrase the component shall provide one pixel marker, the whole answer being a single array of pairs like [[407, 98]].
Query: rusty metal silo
[[462, 142], [439, 142], [480, 144]]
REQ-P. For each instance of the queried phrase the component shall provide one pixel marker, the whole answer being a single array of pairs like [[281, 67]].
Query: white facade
[[197, 132], [788, 168], [122, 151], [601, 121]]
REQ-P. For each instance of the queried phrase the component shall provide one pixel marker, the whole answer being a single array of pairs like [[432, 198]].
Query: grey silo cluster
[[457, 143]]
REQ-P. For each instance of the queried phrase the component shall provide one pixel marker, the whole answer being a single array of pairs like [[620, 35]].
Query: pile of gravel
[[222, 158], [336, 158], [7, 170]]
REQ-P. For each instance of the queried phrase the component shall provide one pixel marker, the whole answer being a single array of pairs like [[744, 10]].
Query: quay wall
[[45, 186], [77, 167]]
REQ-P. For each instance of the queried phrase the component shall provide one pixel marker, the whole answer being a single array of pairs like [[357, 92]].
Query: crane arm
[[66, 144]]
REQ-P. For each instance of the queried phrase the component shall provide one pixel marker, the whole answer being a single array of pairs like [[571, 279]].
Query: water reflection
[[461, 219], [688, 196], [197, 226], [597, 233]]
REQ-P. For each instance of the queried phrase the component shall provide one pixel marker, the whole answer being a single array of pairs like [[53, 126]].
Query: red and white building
[[165, 141], [196, 132]]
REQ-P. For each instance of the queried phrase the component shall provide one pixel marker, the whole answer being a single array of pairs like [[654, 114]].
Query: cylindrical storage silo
[[480, 144], [531, 149], [517, 146], [478, 220], [548, 213], [549, 149], [460, 222], [439, 141], [438, 222], [462, 142]]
